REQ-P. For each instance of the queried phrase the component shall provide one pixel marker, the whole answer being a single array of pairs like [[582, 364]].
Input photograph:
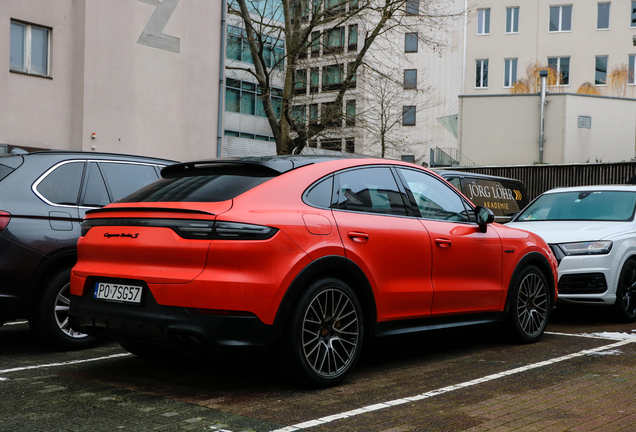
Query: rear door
[[466, 263], [392, 248]]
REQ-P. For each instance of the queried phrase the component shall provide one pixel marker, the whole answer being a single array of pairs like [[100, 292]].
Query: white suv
[[592, 232]]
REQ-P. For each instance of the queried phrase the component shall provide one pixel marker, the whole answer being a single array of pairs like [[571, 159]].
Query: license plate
[[118, 293]]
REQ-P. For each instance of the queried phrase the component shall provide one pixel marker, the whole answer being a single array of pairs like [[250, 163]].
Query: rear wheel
[[49, 318], [529, 305], [325, 333], [625, 305]]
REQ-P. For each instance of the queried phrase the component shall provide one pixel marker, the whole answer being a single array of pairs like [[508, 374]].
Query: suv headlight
[[587, 248]]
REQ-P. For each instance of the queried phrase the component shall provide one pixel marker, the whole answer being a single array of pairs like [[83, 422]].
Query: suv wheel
[[49, 319], [625, 305], [529, 305], [326, 333]]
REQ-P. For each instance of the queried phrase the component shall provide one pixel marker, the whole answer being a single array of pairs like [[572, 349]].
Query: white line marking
[[18, 369], [389, 404], [582, 335]]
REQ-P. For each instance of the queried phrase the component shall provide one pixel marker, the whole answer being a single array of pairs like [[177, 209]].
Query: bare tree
[[296, 22]]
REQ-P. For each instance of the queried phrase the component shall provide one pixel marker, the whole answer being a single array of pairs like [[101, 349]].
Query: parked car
[[43, 198], [504, 196], [592, 232], [314, 253]]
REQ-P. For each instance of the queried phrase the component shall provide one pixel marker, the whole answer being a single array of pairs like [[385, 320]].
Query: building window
[[333, 145], [298, 117], [300, 81], [351, 113], [510, 72], [512, 20], [331, 115], [315, 44], [334, 7], [410, 42], [560, 18], [410, 79], [600, 78], [412, 7], [481, 74], [335, 40], [408, 116], [353, 38], [354, 78], [332, 77], [350, 145], [238, 48], [630, 70], [29, 49], [633, 21], [313, 116], [561, 66], [603, 16], [244, 97], [314, 80], [483, 21]]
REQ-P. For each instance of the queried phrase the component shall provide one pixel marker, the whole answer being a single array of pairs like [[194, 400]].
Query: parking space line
[[443, 390], [72, 362]]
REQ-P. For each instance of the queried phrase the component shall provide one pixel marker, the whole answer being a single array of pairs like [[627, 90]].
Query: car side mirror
[[484, 217]]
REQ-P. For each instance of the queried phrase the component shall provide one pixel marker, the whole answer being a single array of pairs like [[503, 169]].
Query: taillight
[[5, 218], [192, 228]]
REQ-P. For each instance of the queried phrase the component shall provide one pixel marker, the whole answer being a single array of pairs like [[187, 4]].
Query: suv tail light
[[5, 218]]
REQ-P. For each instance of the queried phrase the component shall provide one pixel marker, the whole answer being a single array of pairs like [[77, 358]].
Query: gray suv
[[43, 199]]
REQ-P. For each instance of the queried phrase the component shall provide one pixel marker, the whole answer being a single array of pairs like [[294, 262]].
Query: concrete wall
[[156, 95], [504, 129]]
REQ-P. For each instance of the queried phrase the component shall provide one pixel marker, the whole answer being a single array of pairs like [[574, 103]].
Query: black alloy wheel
[[625, 305], [529, 305], [326, 334]]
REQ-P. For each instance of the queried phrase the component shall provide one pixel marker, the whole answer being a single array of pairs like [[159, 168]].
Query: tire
[[49, 317], [625, 306], [325, 333], [530, 305]]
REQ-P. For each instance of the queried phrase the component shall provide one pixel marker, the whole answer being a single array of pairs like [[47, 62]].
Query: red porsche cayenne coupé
[[315, 253]]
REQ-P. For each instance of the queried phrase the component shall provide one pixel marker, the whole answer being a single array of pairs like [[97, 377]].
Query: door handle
[[359, 237], [443, 243]]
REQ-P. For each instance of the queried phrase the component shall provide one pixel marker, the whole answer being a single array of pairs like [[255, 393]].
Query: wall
[[504, 129], [153, 96]]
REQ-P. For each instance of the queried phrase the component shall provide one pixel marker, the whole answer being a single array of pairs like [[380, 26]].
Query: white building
[[125, 76]]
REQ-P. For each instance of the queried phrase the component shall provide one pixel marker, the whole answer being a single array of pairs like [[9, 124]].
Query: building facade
[[124, 76]]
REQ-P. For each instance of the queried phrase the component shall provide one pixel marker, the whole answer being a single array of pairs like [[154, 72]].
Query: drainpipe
[[221, 107], [544, 78]]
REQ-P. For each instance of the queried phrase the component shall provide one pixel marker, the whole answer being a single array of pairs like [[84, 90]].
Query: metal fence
[[540, 178]]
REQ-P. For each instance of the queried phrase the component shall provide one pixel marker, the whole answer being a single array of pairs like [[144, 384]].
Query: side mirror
[[484, 217]]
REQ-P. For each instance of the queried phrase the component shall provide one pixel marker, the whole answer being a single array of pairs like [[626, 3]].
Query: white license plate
[[118, 293]]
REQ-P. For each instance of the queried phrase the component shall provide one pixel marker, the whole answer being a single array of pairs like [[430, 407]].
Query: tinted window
[[434, 199], [319, 195], [586, 206], [202, 188], [62, 185], [123, 179], [371, 190], [96, 194]]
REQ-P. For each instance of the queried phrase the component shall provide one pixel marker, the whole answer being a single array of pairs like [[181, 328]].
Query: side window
[[455, 181], [319, 195], [370, 190], [62, 185], [434, 199], [96, 194], [124, 179]]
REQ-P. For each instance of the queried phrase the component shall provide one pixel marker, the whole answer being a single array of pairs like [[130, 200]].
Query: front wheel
[[49, 317], [529, 305], [325, 333], [625, 305]]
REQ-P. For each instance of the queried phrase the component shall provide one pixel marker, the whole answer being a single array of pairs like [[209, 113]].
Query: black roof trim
[[274, 164], [88, 155]]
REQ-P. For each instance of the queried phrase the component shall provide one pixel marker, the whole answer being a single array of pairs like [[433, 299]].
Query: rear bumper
[[166, 325]]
